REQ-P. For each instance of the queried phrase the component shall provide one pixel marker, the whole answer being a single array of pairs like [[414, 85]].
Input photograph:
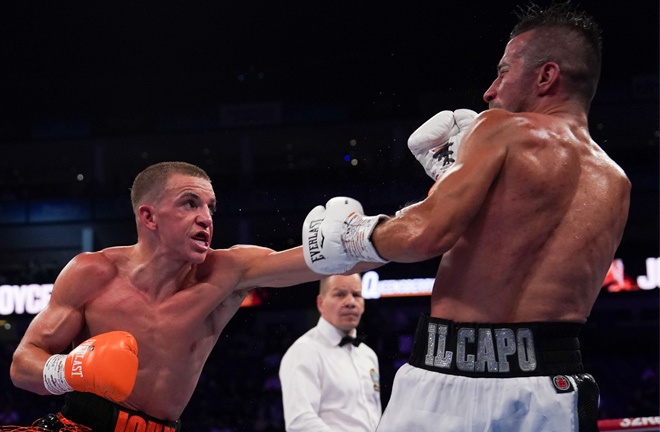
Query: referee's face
[[341, 303]]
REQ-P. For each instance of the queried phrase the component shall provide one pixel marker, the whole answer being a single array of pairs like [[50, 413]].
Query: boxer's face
[[341, 303], [514, 85], [184, 215]]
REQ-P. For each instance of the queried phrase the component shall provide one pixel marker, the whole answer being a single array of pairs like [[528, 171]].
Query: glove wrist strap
[[53, 375], [357, 237]]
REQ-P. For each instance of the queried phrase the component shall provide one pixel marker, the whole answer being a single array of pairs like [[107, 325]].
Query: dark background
[[274, 99]]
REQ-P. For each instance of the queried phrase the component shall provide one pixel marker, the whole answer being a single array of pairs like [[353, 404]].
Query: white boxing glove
[[435, 144], [336, 237]]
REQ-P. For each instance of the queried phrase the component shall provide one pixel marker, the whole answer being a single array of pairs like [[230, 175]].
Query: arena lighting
[[32, 298], [374, 288], [20, 299], [652, 277], [638, 424]]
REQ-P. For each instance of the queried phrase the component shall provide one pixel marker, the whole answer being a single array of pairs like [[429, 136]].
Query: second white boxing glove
[[435, 144]]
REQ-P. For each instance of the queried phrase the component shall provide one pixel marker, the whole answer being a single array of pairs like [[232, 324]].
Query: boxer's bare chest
[[177, 320]]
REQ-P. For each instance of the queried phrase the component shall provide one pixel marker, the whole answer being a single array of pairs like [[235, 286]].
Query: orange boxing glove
[[105, 365]]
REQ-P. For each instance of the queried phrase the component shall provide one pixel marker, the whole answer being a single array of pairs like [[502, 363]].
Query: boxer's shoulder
[[101, 266], [496, 128]]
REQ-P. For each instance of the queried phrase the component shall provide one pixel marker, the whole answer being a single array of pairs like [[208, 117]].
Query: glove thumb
[[464, 117]]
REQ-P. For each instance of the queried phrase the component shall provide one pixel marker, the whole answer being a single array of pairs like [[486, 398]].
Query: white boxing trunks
[[522, 377]]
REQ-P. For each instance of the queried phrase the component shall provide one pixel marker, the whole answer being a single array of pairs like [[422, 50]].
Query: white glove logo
[[313, 241], [445, 153], [336, 237]]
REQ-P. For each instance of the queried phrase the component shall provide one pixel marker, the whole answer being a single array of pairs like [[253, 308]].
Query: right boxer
[[527, 218]]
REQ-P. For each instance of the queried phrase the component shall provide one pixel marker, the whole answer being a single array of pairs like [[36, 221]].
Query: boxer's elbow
[[16, 373], [409, 238], [433, 245], [424, 244], [20, 376]]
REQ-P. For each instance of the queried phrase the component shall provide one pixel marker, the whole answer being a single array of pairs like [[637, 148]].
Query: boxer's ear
[[548, 78], [146, 216]]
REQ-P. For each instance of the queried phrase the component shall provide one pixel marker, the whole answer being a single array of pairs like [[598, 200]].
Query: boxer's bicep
[[55, 328], [461, 192], [63, 318]]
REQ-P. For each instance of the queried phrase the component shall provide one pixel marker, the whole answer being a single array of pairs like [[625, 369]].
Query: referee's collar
[[332, 333]]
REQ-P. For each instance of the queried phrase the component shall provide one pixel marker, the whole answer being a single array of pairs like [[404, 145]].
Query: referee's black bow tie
[[356, 341]]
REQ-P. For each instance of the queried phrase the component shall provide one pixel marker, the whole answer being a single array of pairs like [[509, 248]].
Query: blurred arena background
[[286, 104]]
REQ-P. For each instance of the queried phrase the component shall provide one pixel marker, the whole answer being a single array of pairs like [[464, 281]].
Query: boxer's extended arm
[[264, 267]]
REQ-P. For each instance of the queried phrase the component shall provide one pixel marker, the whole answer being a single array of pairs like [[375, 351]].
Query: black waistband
[[101, 415], [497, 350]]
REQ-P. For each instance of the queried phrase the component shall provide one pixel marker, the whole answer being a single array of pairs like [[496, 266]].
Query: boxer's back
[[539, 248]]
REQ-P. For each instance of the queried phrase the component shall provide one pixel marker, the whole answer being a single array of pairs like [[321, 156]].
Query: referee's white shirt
[[330, 388]]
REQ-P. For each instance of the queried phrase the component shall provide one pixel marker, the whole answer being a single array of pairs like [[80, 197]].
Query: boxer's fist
[[435, 144], [105, 365], [336, 237], [322, 246]]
